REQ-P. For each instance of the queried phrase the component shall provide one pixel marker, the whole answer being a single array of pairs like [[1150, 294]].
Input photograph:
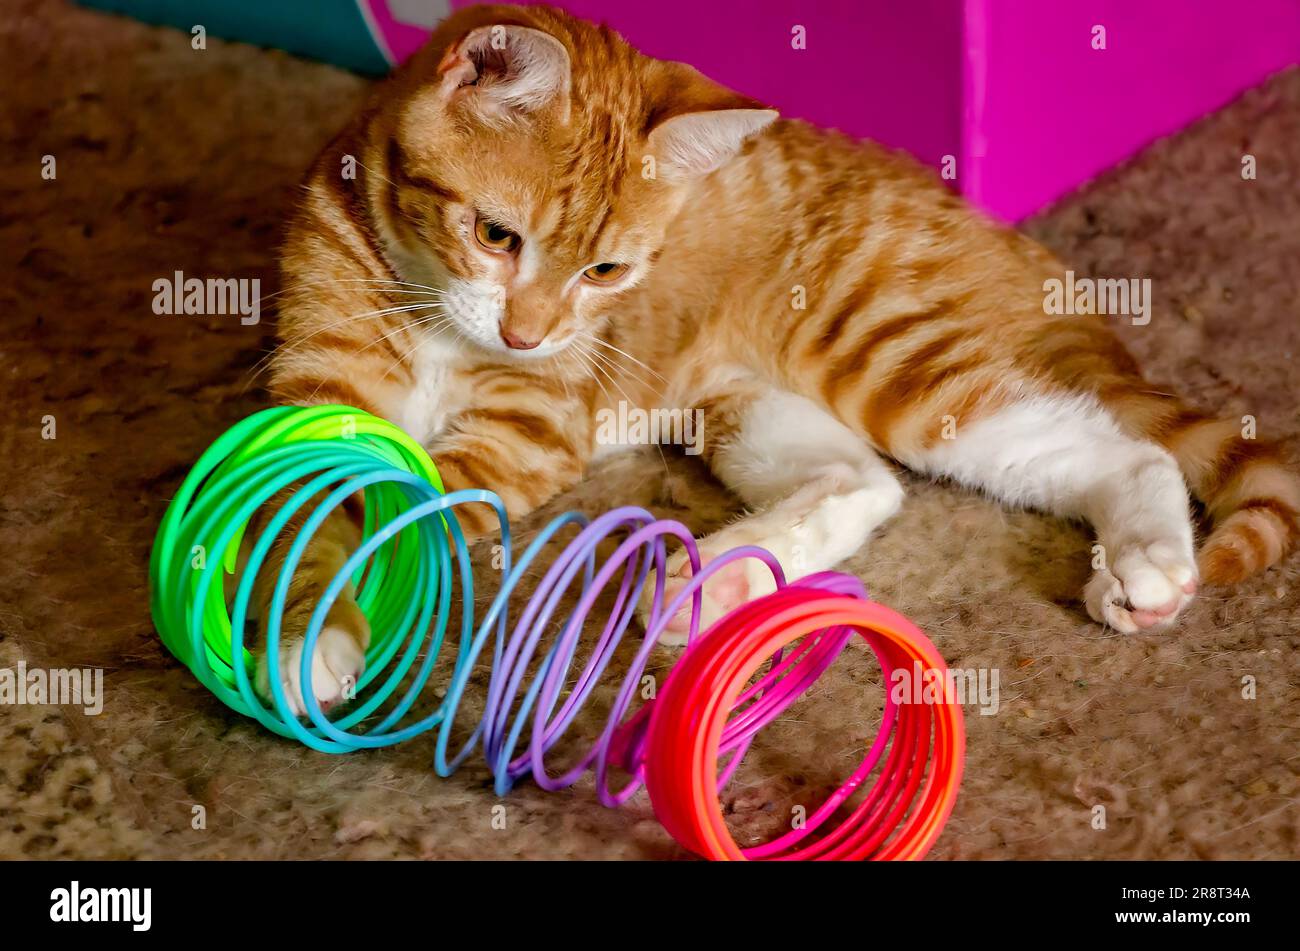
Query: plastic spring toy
[[414, 556]]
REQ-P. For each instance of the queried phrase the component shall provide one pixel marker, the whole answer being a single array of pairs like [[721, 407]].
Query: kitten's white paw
[[1144, 589], [731, 587], [335, 669]]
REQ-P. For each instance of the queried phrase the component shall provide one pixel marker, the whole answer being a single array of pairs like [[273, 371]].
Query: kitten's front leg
[[527, 453]]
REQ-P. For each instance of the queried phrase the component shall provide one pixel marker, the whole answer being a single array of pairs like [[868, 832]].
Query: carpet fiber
[[171, 159]]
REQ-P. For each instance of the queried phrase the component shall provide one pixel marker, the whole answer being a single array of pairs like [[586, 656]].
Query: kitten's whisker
[[376, 174], [419, 322], [445, 322], [589, 365], [660, 449], [262, 363], [606, 343], [616, 368], [572, 358], [389, 286], [397, 308], [382, 376], [564, 378], [613, 363]]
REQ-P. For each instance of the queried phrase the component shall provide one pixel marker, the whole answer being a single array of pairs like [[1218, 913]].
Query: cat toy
[[413, 580]]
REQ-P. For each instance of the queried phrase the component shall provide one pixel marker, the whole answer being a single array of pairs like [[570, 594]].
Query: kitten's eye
[[605, 273], [495, 237]]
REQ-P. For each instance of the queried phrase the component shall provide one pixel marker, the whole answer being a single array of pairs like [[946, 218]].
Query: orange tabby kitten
[[545, 222]]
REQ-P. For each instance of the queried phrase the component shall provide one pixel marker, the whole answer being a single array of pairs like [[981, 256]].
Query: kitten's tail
[[1250, 493]]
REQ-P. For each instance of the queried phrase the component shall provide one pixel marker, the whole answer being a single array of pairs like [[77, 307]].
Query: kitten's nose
[[516, 342]]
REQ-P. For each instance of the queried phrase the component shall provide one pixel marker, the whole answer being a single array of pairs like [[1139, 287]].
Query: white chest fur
[[438, 393]]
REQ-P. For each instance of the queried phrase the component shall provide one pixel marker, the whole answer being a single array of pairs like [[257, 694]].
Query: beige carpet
[[174, 159]]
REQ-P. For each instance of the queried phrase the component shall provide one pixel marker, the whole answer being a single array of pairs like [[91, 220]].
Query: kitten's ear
[[509, 67], [700, 125], [699, 142]]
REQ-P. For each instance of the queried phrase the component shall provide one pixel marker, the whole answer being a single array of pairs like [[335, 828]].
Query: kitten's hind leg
[[1066, 455], [815, 489]]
